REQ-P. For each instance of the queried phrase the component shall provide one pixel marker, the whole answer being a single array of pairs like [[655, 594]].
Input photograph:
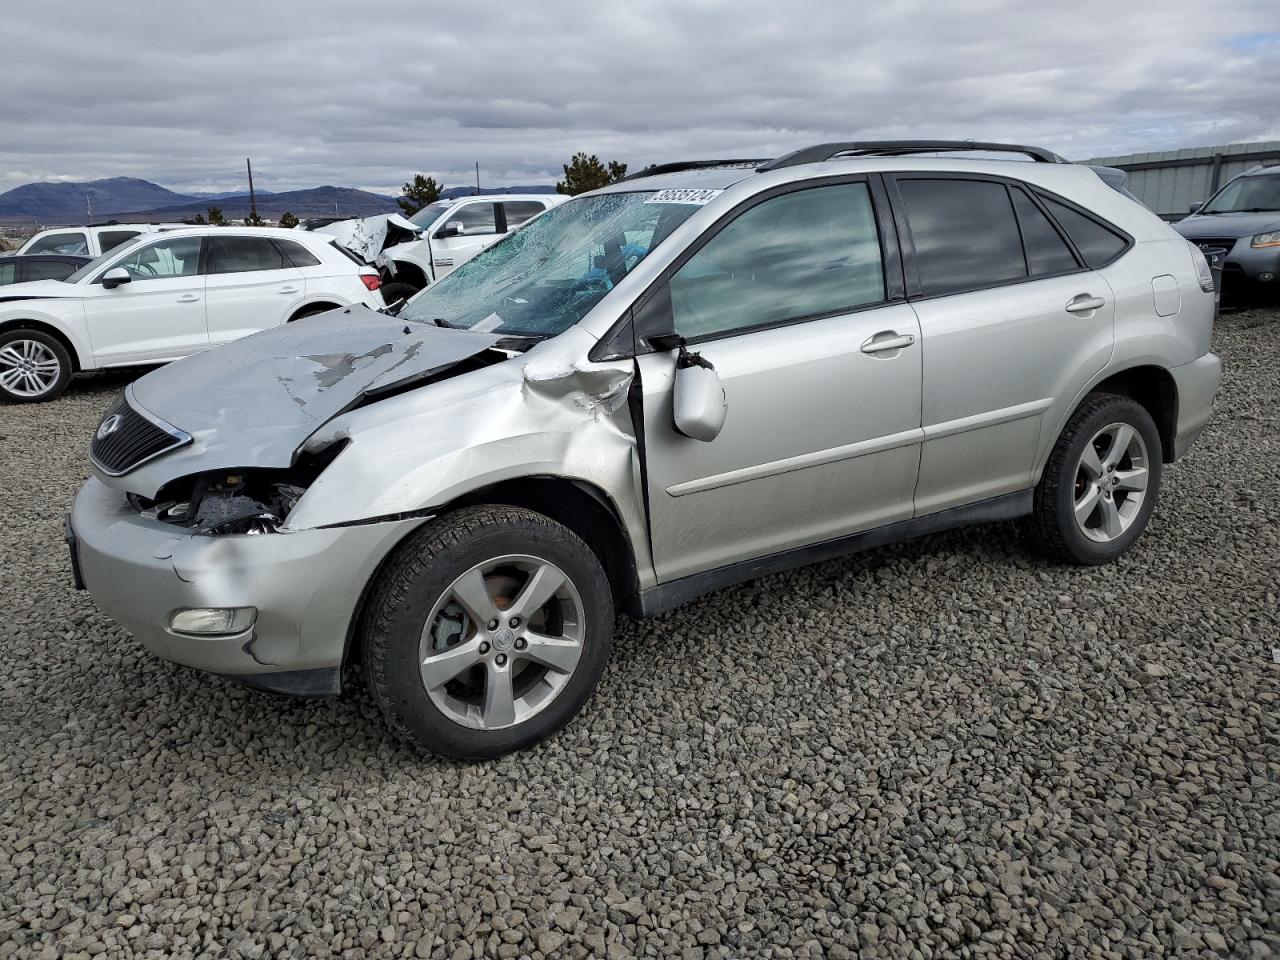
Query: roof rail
[[678, 165], [890, 148]]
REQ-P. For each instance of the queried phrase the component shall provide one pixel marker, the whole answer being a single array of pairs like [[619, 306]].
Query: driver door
[[159, 315], [479, 225], [790, 302]]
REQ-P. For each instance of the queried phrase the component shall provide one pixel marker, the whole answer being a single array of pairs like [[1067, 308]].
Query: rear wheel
[[1101, 482], [391, 292], [311, 311], [34, 366], [487, 632]]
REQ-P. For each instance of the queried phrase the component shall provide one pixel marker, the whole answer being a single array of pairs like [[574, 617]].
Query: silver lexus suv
[[705, 373]]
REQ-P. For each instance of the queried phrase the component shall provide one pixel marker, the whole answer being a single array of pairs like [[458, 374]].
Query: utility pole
[[477, 178], [253, 199], [88, 199]]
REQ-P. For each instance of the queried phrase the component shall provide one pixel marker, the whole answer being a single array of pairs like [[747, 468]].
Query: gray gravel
[[948, 748]]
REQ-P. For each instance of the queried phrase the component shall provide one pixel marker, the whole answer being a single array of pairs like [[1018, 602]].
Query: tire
[[415, 618], [34, 366], [397, 290], [1106, 466]]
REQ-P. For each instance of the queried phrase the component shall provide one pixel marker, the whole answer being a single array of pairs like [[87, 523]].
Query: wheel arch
[[581, 506], [312, 307], [1152, 387], [20, 324], [408, 272]]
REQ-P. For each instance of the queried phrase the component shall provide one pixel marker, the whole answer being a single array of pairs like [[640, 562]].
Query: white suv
[[165, 296], [89, 241]]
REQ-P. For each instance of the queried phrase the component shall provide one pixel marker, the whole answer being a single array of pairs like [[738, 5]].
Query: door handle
[[283, 290], [884, 342], [1083, 303], [188, 298]]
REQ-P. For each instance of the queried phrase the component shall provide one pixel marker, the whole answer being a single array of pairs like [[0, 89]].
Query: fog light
[[1266, 277], [213, 621]]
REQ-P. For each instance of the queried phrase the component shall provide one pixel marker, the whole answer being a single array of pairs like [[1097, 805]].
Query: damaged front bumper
[[306, 586]]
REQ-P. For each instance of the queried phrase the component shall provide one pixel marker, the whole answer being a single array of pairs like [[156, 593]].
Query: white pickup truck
[[89, 241], [412, 253]]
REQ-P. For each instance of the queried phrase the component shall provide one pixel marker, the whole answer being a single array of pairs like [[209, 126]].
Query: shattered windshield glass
[[543, 278]]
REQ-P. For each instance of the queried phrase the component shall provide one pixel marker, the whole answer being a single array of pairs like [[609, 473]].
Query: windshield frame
[[445, 207], [1208, 207]]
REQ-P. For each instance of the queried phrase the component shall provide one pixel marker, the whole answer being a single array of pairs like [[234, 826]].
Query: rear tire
[[1101, 482], [35, 366], [487, 631], [391, 292], [312, 311]]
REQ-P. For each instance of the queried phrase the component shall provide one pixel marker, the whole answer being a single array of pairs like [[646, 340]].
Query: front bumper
[[306, 585], [1244, 262], [1197, 383]]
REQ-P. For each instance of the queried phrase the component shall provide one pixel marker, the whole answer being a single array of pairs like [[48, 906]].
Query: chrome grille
[[126, 438]]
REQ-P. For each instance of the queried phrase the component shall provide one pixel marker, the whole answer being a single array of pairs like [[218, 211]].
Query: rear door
[[250, 285], [159, 314], [792, 303], [1013, 324]]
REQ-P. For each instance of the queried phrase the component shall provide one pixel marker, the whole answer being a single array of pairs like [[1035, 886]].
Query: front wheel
[[34, 366], [1101, 482], [487, 632]]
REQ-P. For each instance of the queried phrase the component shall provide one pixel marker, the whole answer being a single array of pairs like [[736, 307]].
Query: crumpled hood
[[253, 402], [367, 237], [40, 290], [1228, 224]]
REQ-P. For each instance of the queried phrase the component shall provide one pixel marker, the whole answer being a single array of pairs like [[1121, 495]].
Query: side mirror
[[1195, 207], [115, 277], [698, 402], [454, 228]]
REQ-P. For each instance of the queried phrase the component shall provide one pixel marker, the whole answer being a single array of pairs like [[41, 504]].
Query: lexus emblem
[[109, 426]]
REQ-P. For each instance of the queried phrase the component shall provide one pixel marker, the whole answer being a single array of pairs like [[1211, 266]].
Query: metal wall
[[1171, 181]]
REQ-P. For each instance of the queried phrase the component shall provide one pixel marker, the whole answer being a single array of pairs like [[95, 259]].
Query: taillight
[[371, 280]]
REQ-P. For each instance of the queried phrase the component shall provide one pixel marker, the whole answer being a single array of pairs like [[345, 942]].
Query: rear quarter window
[[297, 254], [1097, 243]]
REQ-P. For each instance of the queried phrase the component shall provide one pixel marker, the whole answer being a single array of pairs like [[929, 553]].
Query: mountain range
[[129, 199]]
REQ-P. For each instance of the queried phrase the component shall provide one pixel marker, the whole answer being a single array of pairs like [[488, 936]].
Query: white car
[[454, 231], [89, 241], [167, 295]]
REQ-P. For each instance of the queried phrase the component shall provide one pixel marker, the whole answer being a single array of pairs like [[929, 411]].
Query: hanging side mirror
[[698, 402]]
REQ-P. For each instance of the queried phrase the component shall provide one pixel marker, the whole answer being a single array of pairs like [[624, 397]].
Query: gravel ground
[[948, 748]]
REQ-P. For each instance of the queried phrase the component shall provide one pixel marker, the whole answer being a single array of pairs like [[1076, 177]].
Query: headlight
[[213, 621], [1271, 239]]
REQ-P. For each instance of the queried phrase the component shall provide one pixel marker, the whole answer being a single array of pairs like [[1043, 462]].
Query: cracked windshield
[[542, 279]]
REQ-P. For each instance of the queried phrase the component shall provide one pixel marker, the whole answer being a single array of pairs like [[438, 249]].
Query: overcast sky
[[360, 94]]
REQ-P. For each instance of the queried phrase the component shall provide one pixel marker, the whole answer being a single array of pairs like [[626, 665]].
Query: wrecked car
[[411, 253], [702, 374]]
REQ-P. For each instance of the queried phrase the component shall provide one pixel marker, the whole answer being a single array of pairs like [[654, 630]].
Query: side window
[[49, 270], [1047, 252], [297, 254], [178, 257], [802, 254], [964, 232], [518, 211], [75, 244], [475, 218], [110, 239], [1097, 244], [243, 255], [8, 271]]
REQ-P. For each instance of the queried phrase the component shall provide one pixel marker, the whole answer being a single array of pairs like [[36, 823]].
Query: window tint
[[298, 255], [8, 271], [1047, 252], [110, 239], [76, 244], [1096, 243], [964, 232], [177, 257], [810, 252], [243, 255], [518, 211], [475, 217], [49, 270]]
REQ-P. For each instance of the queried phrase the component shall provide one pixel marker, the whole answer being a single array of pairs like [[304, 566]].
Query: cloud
[[317, 91]]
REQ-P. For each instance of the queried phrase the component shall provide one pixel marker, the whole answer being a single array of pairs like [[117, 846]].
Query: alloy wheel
[[502, 642], [1111, 482], [28, 368]]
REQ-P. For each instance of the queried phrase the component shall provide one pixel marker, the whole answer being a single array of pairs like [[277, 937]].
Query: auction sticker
[[685, 195]]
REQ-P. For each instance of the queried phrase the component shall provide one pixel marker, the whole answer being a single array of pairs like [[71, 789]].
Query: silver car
[[700, 375]]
